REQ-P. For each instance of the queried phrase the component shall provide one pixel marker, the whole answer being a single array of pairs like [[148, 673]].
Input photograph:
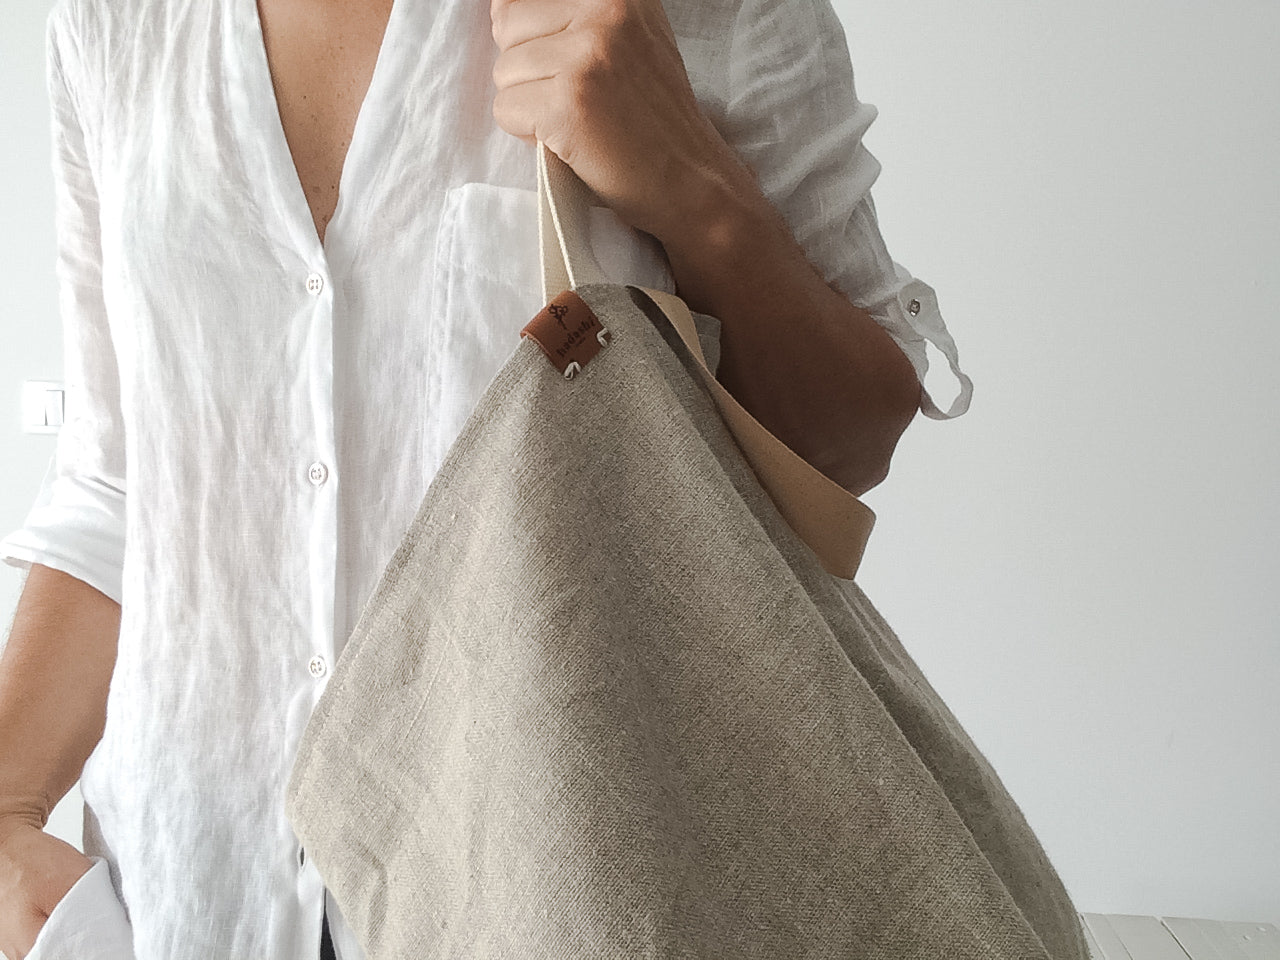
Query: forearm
[[54, 677], [814, 369]]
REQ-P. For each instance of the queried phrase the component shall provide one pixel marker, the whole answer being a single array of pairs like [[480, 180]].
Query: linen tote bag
[[606, 701]]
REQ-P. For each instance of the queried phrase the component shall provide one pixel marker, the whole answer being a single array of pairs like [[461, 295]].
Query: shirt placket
[[319, 476]]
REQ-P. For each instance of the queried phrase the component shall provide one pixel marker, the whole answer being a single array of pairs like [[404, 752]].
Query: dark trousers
[[326, 943]]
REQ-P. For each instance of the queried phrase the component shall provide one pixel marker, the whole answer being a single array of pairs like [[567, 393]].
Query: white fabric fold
[[75, 525], [88, 923]]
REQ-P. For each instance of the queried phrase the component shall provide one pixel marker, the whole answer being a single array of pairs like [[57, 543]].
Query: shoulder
[[76, 20], [105, 24], [704, 32], [73, 27], [703, 19], [748, 34], [95, 40]]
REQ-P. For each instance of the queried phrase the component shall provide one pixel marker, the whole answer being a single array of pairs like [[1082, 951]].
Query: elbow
[[885, 417], [867, 472], [899, 397]]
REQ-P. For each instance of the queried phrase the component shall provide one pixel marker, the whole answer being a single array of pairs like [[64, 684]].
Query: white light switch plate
[[42, 406]]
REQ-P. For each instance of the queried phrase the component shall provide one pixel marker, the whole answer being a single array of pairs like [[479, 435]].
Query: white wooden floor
[[1122, 936]]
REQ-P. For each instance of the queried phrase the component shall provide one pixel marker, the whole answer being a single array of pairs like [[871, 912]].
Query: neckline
[[291, 196]]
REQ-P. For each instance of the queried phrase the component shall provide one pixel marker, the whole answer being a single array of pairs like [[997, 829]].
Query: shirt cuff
[[76, 525], [88, 923], [912, 318]]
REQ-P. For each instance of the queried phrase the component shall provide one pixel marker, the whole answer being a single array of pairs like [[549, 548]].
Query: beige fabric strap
[[828, 518]]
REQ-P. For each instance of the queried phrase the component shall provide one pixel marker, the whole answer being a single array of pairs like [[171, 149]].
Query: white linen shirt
[[253, 417]]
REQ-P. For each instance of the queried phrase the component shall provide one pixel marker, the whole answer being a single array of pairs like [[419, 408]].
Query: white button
[[914, 307], [318, 473], [315, 283], [317, 666]]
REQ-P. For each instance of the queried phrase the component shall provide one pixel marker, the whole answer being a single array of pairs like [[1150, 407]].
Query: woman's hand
[[602, 84], [36, 871]]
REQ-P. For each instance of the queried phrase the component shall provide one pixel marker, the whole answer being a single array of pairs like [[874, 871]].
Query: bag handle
[[828, 518]]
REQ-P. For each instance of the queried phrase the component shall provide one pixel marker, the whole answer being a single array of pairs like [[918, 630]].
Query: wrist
[[711, 203], [22, 806], [13, 822]]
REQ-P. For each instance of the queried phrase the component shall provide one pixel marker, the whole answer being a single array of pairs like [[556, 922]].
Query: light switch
[[42, 406], [53, 408]]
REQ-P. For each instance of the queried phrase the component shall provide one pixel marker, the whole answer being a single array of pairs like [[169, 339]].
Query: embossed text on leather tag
[[568, 332]]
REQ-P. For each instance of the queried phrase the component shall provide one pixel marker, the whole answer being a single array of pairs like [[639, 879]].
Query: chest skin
[[321, 54]]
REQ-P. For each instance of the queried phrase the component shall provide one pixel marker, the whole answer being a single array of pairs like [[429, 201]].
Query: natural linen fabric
[[603, 702]]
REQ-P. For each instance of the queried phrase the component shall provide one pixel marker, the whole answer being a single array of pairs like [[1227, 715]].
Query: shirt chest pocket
[[487, 284]]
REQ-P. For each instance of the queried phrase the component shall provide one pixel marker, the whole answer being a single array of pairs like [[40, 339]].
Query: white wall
[[29, 324], [30, 327], [1085, 565]]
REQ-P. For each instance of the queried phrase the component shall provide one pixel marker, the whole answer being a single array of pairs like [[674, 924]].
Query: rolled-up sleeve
[[792, 113], [77, 522]]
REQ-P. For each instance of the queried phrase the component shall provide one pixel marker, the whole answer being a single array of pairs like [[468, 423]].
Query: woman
[[295, 242]]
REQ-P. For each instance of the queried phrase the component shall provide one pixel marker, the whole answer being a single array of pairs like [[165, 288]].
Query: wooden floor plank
[[1225, 940], [1108, 942]]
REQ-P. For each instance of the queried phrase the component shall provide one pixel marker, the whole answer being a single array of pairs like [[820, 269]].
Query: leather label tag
[[568, 332]]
